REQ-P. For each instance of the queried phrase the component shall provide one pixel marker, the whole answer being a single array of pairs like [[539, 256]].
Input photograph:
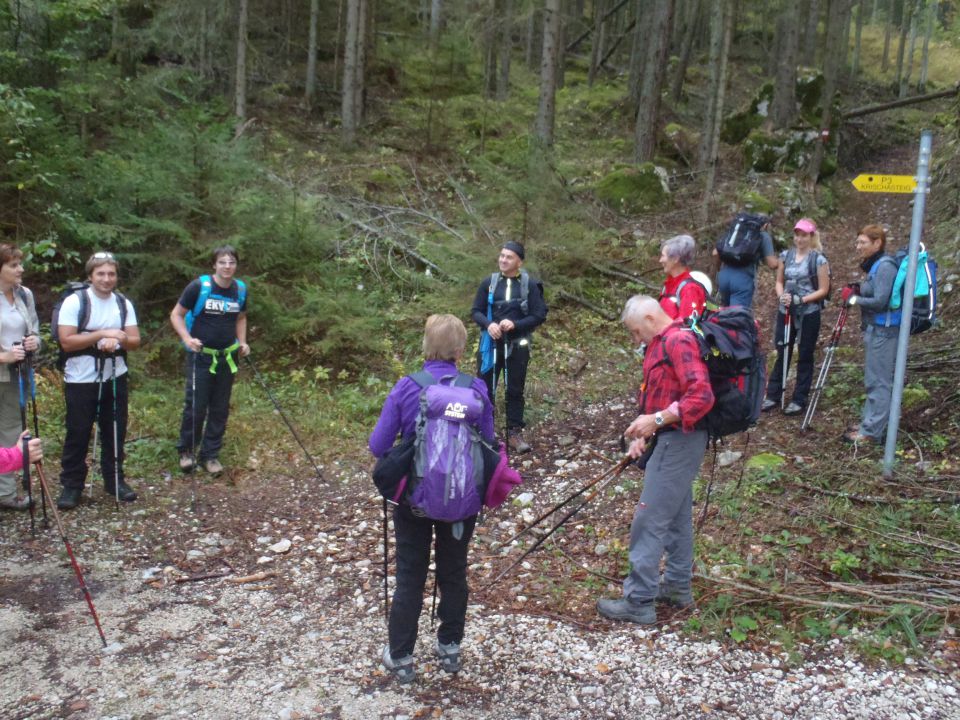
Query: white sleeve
[[131, 315], [70, 311]]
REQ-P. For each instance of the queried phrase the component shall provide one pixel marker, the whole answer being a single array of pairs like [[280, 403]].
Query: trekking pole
[[27, 485], [825, 368], [99, 360], [785, 355], [506, 391], [386, 565], [116, 448], [602, 476], [45, 489], [713, 472], [621, 466], [193, 434], [279, 409], [36, 432]]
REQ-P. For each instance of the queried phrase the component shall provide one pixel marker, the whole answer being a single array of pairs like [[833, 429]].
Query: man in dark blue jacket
[[509, 305]]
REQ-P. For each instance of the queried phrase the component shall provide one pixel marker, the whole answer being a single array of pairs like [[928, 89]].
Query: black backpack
[[730, 346], [80, 289], [741, 242]]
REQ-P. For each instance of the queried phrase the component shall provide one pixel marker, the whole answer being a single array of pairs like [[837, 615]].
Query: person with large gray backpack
[[445, 416]]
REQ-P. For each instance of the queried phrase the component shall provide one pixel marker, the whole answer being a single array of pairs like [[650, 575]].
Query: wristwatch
[[658, 419]]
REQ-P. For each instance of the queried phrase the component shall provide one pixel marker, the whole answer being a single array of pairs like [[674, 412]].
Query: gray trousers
[[9, 430], [880, 356], [663, 520]]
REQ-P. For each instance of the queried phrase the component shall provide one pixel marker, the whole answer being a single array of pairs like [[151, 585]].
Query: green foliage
[[634, 189]]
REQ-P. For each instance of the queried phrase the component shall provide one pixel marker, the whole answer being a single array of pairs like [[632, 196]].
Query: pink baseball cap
[[805, 225]]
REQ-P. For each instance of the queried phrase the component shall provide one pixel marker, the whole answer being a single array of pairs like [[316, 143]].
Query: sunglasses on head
[[102, 256]]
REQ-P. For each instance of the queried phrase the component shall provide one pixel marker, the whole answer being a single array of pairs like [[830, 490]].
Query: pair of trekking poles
[[45, 494]]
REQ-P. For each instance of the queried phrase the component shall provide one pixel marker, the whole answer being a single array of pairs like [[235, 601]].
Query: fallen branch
[[256, 577], [198, 578], [610, 272], [869, 109], [587, 304], [400, 247], [867, 609]]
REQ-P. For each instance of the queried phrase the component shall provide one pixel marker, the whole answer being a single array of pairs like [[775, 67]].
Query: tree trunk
[[637, 52], [530, 46], [543, 129], [836, 21], [360, 88], [861, 8], [887, 32], [911, 47], [310, 91], [925, 56], [808, 57], [489, 46], [240, 89], [724, 18], [436, 10], [707, 141], [348, 109], [596, 47], [784, 107], [506, 49], [686, 50], [905, 18], [648, 113]]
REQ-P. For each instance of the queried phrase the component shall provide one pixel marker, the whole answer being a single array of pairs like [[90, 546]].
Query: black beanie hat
[[514, 247]]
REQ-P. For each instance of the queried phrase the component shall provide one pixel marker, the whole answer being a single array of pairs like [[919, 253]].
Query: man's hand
[[494, 330], [244, 349], [641, 428], [636, 448], [507, 326], [194, 345]]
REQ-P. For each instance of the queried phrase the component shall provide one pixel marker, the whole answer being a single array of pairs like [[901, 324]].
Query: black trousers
[[808, 329], [515, 380], [204, 420], [413, 537], [82, 402]]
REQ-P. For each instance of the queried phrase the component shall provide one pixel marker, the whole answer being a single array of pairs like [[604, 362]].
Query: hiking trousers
[[879, 361], [807, 328], [10, 428], [663, 520], [204, 419], [81, 400], [736, 286], [413, 537], [516, 380]]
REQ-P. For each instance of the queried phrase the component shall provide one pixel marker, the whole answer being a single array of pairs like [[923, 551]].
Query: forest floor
[[266, 599]]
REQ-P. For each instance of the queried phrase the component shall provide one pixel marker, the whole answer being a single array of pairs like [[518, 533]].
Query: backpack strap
[[241, 292], [422, 378], [524, 291]]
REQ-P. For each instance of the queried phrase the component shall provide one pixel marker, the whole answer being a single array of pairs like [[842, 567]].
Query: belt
[[226, 352]]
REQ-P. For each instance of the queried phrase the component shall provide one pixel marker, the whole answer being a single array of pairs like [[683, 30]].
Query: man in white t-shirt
[[97, 327]]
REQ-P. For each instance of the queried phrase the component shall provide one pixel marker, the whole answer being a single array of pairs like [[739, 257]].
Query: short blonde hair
[[444, 338]]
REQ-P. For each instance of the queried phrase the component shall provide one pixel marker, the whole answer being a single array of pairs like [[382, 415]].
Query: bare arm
[[178, 321], [242, 334]]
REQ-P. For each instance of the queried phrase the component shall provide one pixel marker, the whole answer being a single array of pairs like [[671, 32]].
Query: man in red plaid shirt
[[675, 394]]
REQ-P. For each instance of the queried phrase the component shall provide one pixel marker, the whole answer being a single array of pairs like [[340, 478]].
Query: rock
[[523, 499], [281, 547], [195, 555], [151, 573], [112, 648], [728, 457]]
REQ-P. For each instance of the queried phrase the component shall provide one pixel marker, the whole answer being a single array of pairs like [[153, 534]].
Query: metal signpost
[[919, 186]]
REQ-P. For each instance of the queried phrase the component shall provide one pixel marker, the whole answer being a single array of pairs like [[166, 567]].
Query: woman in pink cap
[[803, 282]]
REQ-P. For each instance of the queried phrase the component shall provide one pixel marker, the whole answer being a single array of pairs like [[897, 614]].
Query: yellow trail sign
[[885, 183]]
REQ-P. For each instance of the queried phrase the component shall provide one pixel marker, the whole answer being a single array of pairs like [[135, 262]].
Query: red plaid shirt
[[674, 372]]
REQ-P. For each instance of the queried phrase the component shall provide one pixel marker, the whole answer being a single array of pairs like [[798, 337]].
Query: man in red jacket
[[674, 396]]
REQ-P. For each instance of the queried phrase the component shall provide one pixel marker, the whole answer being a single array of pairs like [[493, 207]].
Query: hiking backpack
[[924, 313], [812, 272], [741, 242], [730, 347], [447, 482], [206, 290], [83, 319]]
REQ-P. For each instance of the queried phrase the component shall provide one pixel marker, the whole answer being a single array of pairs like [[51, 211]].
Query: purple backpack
[[448, 478]]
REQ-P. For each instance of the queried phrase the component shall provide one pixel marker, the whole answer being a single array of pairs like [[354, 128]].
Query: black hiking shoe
[[69, 498], [622, 609], [126, 493]]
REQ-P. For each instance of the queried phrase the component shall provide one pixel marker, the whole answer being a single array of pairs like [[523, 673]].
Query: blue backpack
[[206, 292], [924, 313]]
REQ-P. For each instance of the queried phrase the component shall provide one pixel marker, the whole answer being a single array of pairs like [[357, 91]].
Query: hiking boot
[[212, 466], [69, 498], [676, 595], [186, 462], [16, 503], [622, 609], [516, 442], [768, 405], [793, 409], [449, 655], [125, 493], [401, 669]]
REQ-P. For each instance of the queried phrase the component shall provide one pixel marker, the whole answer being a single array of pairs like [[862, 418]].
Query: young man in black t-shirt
[[211, 319]]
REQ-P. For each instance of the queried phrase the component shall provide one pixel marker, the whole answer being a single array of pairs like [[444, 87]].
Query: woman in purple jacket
[[444, 340]]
